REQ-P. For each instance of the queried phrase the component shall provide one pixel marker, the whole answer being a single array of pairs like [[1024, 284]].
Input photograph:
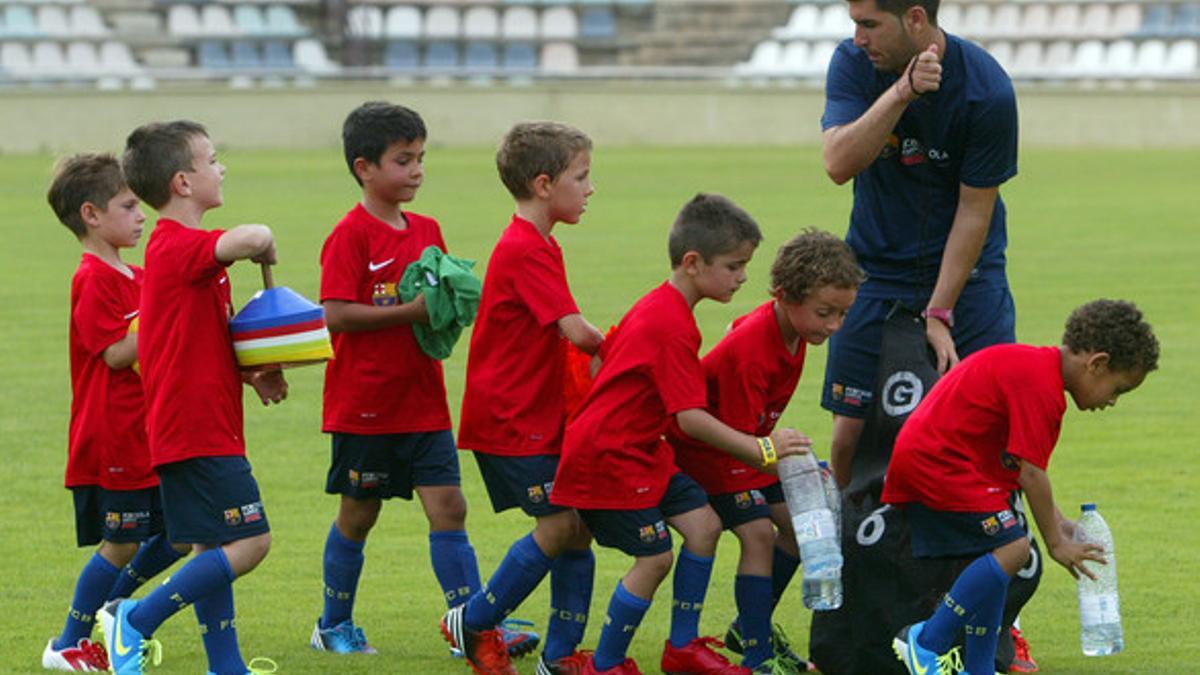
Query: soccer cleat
[[571, 664], [921, 661], [774, 666], [517, 639], [85, 657], [344, 638], [484, 650], [698, 658], [128, 651], [628, 667], [1022, 661], [780, 643]]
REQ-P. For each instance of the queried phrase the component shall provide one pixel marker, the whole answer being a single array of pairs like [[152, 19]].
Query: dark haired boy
[[513, 407], [751, 376], [193, 398], [108, 462], [385, 399], [985, 429], [620, 474]]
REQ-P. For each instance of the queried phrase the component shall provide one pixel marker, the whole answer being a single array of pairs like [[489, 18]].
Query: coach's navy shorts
[[644, 532], [951, 534], [211, 501], [984, 316], [382, 466], [117, 516], [738, 508], [523, 481]]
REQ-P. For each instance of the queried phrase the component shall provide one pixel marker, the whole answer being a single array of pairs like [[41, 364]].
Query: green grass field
[[1082, 224]]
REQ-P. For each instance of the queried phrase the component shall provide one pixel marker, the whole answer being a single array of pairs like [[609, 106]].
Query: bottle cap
[[1088, 506], [823, 464]]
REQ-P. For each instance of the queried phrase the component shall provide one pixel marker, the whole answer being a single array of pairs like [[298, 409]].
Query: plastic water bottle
[[1099, 606], [832, 496], [816, 531]]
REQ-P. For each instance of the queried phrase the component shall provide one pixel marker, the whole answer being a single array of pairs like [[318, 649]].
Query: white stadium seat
[[559, 57], [559, 23], [519, 23], [801, 24], [442, 22], [403, 21], [481, 23]]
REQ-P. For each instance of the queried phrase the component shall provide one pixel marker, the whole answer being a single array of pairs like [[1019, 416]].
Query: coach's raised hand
[[923, 75]]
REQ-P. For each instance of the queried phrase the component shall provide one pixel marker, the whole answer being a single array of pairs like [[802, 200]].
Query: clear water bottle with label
[[832, 495], [1099, 606], [816, 531]]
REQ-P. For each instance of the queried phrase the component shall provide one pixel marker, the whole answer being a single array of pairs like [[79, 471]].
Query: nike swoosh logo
[[911, 656], [375, 267], [122, 650], [131, 314]]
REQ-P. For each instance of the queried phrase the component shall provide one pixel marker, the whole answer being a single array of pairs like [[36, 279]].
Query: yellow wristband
[[769, 455]]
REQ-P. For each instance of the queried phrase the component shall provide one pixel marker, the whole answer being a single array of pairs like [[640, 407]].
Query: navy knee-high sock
[[983, 631], [342, 567], [783, 568], [523, 568], [571, 577], [753, 597], [215, 614], [982, 581], [153, 556], [692, 573], [91, 589], [625, 613], [454, 565], [204, 575]]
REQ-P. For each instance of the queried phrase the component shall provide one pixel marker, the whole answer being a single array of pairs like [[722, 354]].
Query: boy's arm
[[122, 353], [702, 426], [1066, 552], [581, 333], [270, 385], [343, 316], [253, 242]]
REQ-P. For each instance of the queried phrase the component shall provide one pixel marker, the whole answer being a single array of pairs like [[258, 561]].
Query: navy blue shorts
[[211, 501], [951, 534], [984, 316], [738, 508], [382, 466], [644, 532], [520, 481], [117, 516]]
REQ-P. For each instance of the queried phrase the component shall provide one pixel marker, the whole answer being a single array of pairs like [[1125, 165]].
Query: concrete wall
[[613, 112]]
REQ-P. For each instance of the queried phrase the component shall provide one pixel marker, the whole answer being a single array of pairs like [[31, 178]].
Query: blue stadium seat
[[1187, 21], [1156, 22], [20, 22], [212, 54], [520, 56], [401, 55], [481, 56], [441, 56], [597, 23], [246, 55], [278, 54]]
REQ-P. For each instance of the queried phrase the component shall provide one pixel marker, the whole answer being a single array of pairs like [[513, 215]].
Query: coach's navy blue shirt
[[904, 202]]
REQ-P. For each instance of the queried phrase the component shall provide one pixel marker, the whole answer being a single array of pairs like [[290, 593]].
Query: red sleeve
[[342, 262], [678, 375], [741, 395], [98, 315], [1034, 417], [542, 286], [197, 257]]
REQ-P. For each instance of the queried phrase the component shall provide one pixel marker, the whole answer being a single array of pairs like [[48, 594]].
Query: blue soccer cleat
[[128, 650], [921, 661], [344, 638]]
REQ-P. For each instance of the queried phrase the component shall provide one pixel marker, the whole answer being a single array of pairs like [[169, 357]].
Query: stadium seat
[[835, 22], [481, 23], [1066, 21], [597, 23], [519, 23], [977, 21], [766, 59], [212, 54], [246, 56], [364, 21], [1006, 22], [1156, 21], [1058, 57], [796, 59], [1183, 59], [309, 54], [15, 59], [1187, 21], [1120, 59], [442, 22], [1127, 18], [1097, 21], [559, 23], [277, 55], [802, 23], [1151, 60], [481, 57], [82, 59], [215, 21], [20, 22], [822, 53], [183, 20], [1027, 60], [117, 59], [85, 21], [249, 20], [1088, 60], [281, 20], [403, 21], [520, 56], [401, 55], [1036, 22], [1002, 51], [441, 56], [559, 57], [52, 20], [949, 17], [48, 60]]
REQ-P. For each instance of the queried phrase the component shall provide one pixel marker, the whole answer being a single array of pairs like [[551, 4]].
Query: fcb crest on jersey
[[990, 525], [112, 520], [384, 294], [536, 494], [646, 534], [233, 517]]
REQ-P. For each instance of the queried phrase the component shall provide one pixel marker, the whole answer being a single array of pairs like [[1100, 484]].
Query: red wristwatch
[[946, 316]]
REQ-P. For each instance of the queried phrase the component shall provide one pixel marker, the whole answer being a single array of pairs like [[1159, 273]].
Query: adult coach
[[926, 125]]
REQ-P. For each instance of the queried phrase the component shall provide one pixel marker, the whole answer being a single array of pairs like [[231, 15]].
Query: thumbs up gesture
[[923, 75]]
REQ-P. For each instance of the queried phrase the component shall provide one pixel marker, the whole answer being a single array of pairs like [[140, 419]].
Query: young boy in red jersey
[[620, 474], [985, 429], [108, 463], [193, 398], [751, 376], [385, 399], [513, 407]]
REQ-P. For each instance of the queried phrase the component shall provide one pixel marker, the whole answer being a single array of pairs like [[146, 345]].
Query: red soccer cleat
[[629, 667], [85, 657], [571, 664], [1022, 662], [698, 658], [484, 650]]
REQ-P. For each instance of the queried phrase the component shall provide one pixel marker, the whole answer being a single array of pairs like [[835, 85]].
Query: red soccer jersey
[[751, 376], [513, 402], [379, 381], [955, 452], [193, 386], [107, 438], [614, 455]]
